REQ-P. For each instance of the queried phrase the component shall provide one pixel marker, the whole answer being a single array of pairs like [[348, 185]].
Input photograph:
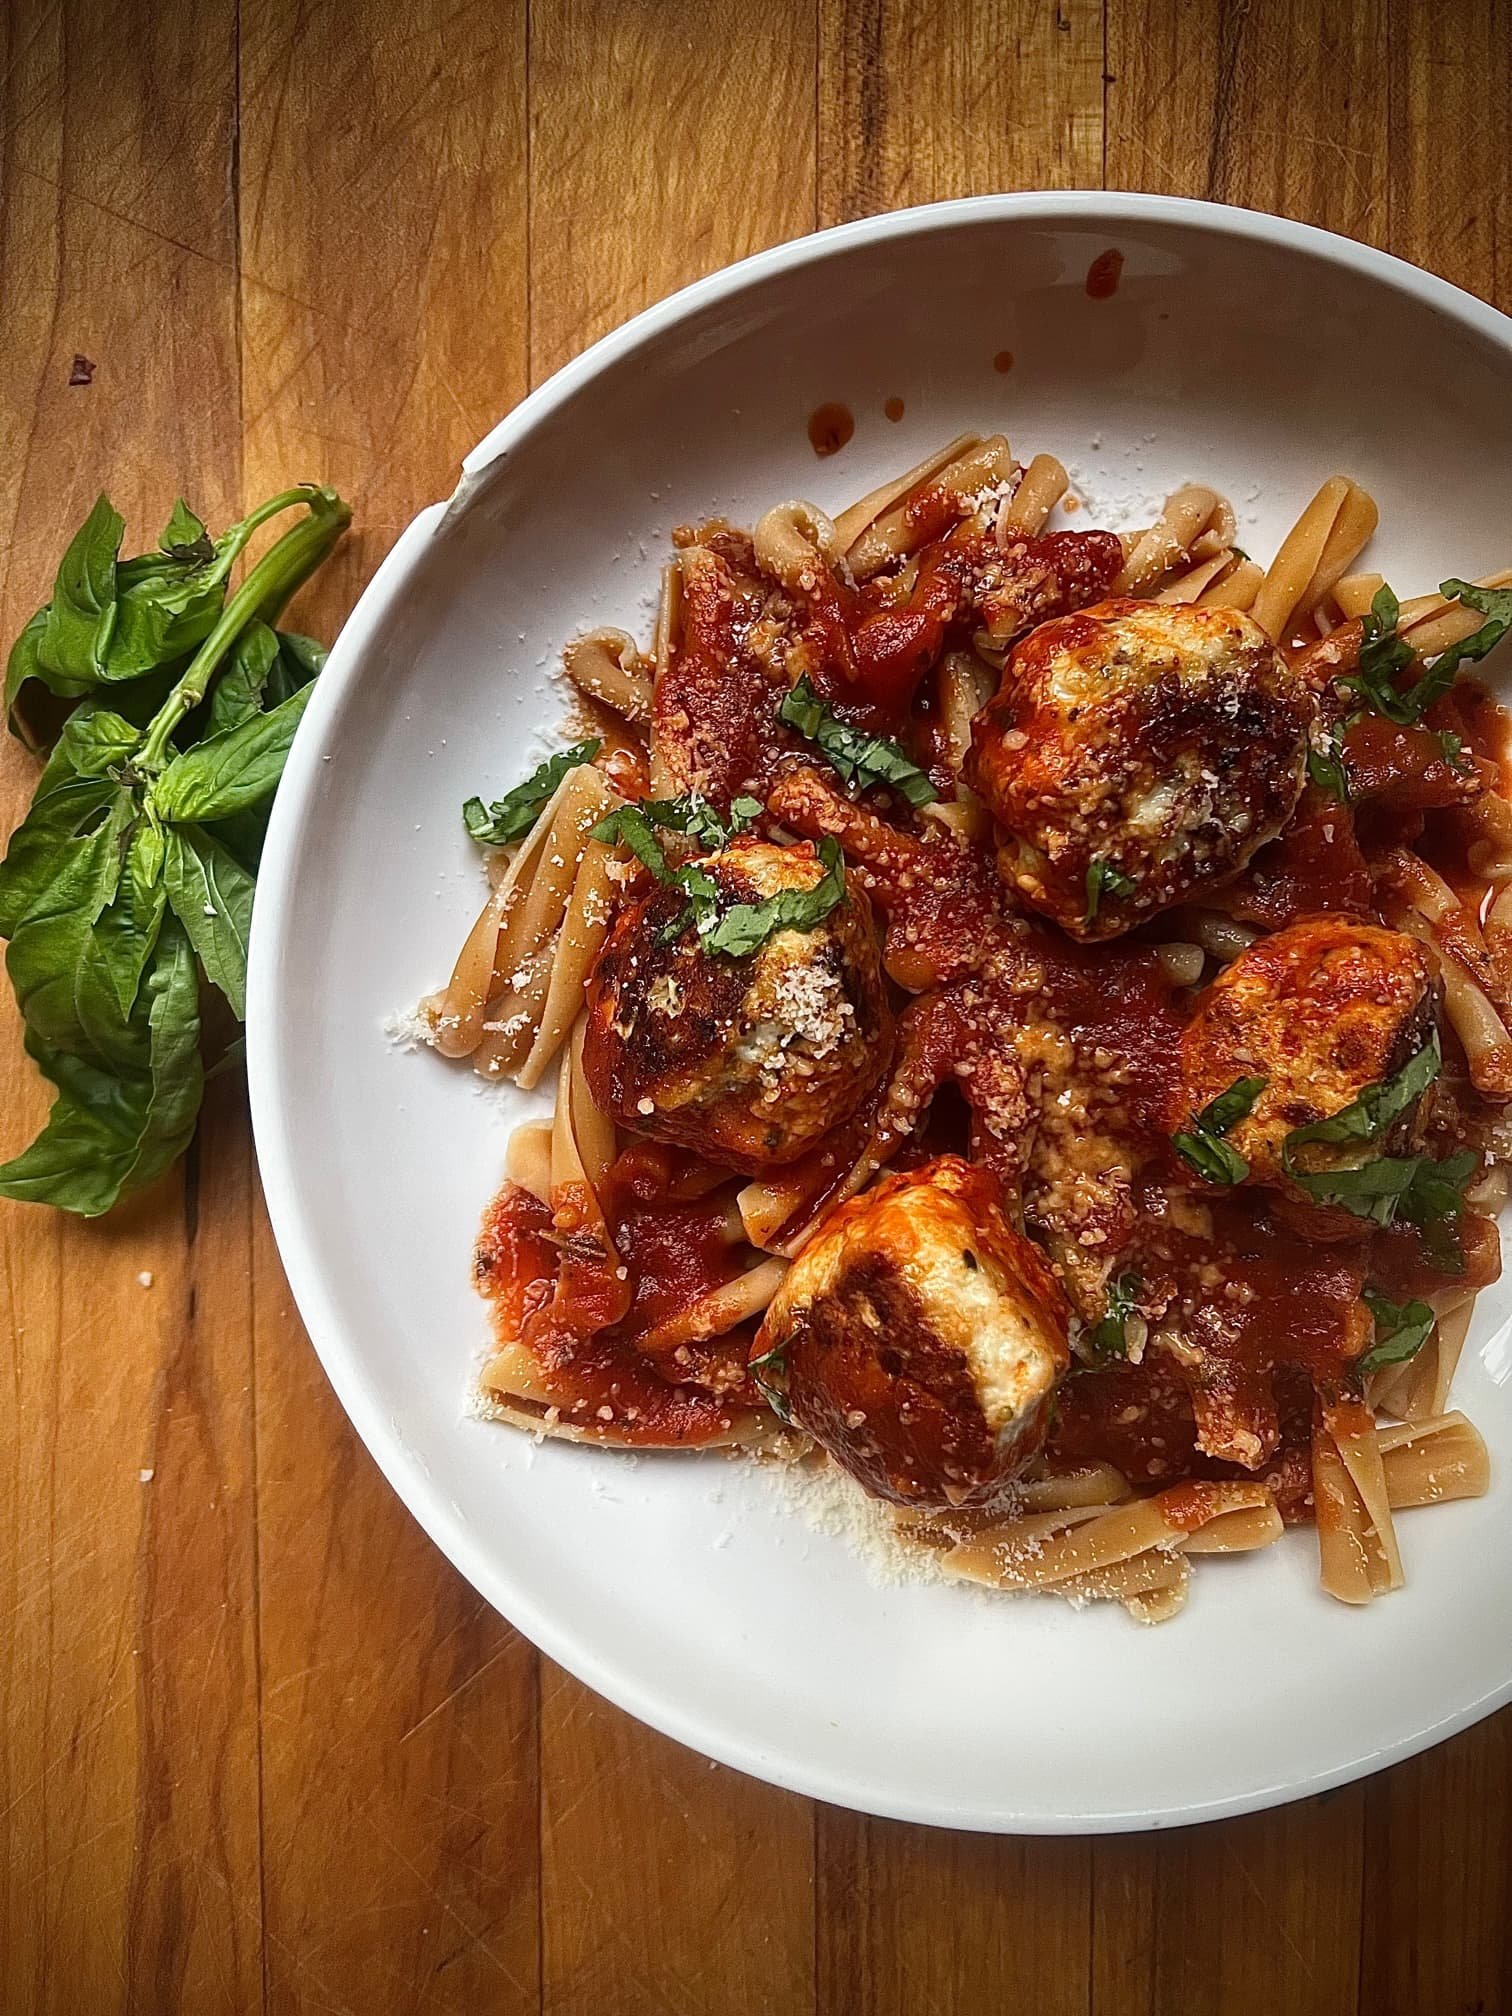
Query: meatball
[[1136, 752], [1319, 1011], [919, 1337], [748, 1060]]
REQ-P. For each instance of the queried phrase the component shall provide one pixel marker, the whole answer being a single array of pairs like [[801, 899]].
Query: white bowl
[[1257, 354]]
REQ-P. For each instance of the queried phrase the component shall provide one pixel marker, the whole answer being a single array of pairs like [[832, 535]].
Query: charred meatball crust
[[1163, 741], [749, 1061], [919, 1338], [1319, 1010]]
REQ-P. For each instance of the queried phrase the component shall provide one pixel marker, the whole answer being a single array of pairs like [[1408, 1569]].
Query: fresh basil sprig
[[112, 622], [516, 812], [1401, 1331], [856, 757], [1108, 1337], [1103, 879], [134, 867], [1204, 1149]]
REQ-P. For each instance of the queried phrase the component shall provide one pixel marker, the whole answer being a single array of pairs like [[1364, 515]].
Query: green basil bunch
[[135, 867]]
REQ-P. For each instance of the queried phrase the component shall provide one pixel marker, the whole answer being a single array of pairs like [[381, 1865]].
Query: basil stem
[[269, 584]]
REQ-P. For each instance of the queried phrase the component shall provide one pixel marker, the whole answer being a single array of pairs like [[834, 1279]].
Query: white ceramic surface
[[1256, 354]]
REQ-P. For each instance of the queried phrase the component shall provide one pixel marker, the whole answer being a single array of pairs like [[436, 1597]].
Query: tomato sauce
[[1104, 273], [829, 428], [589, 1315]]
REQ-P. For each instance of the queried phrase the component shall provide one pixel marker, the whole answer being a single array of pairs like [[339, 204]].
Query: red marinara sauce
[[600, 1326]]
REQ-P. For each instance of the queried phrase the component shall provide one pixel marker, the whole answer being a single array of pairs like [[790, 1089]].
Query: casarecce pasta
[[1030, 1015]]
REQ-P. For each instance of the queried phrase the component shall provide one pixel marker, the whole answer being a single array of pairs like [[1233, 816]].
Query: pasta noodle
[[607, 666], [1040, 489], [1171, 538], [1314, 554], [893, 535]]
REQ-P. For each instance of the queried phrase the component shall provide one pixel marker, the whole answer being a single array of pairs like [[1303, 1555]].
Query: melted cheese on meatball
[[920, 1337], [751, 1060], [1136, 752], [1319, 1010]]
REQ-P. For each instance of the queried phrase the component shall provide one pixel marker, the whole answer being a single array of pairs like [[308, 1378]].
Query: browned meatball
[[749, 1060], [1136, 752], [1319, 1011], [919, 1337]]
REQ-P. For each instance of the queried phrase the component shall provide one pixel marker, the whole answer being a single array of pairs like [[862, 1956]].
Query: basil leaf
[[767, 1370], [231, 771], [70, 978], [1369, 1116], [1211, 1157], [1453, 747], [1204, 1148], [688, 813], [1104, 879], [237, 693], [211, 894], [24, 668], [1325, 767], [1415, 1188], [185, 538], [744, 927], [628, 826], [1382, 656], [126, 931], [1108, 1336], [300, 659], [82, 613], [1493, 603], [1401, 1330], [515, 813], [165, 610], [110, 1133], [856, 757], [1229, 1108]]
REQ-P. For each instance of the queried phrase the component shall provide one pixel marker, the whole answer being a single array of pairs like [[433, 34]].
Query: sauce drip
[[1103, 274], [893, 408], [829, 428], [1003, 361]]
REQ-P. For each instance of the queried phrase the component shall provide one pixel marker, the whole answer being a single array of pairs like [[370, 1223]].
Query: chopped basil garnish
[[1103, 879], [1415, 1188], [1123, 1299], [774, 1362], [1368, 1117], [1325, 766], [745, 926], [1383, 654], [1204, 1148], [740, 928], [1401, 1331], [1453, 747], [856, 757], [516, 812]]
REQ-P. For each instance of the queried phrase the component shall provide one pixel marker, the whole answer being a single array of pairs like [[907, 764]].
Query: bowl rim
[[424, 1497]]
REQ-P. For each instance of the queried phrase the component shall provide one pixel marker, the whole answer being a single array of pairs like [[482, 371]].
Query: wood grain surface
[[260, 1748]]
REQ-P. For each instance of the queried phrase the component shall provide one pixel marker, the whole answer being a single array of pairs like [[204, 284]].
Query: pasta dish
[[1027, 1011]]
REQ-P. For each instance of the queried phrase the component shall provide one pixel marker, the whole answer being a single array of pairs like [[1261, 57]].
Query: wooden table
[[260, 1748]]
